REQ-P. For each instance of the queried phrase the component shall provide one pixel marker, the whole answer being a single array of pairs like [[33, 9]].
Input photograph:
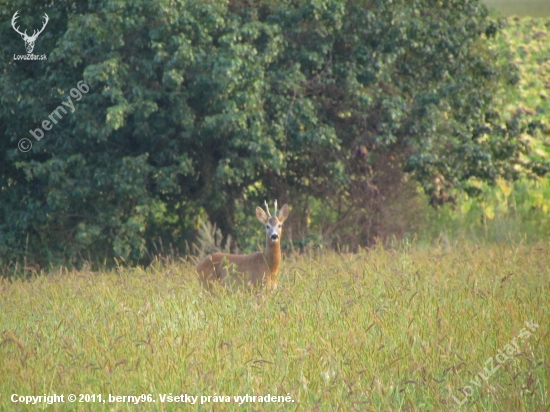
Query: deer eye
[[280, 226], [267, 226]]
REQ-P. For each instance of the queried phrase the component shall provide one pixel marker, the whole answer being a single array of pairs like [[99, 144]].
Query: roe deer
[[254, 269]]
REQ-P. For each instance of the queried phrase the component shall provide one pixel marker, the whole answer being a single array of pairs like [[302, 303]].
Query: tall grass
[[384, 329]]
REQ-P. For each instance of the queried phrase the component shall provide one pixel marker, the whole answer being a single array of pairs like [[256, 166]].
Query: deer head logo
[[29, 40]]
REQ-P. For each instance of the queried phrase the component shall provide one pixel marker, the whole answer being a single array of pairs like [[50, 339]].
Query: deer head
[[29, 40], [273, 224]]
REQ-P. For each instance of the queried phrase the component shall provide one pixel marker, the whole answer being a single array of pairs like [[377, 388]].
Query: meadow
[[390, 328], [439, 325]]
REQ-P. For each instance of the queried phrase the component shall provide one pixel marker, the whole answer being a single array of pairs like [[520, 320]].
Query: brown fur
[[252, 270]]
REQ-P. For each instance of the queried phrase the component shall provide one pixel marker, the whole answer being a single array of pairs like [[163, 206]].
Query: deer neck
[[272, 257]]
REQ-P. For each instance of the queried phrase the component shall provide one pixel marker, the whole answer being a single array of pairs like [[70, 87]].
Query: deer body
[[254, 269]]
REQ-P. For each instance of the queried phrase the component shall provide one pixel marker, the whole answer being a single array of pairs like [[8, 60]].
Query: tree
[[196, 109]]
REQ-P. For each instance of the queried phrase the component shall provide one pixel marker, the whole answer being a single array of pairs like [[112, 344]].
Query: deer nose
[[274, 236]]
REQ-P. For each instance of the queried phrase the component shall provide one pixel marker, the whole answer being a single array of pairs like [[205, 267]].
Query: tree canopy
[[198, 109]]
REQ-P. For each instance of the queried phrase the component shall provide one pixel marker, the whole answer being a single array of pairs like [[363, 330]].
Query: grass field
[[437, 328], [385, 329], [534, 8]]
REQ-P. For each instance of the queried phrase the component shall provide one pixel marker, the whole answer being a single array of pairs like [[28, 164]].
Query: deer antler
[[15, 17], [35, 33], [267, 208], [275, 214], [43, 26]]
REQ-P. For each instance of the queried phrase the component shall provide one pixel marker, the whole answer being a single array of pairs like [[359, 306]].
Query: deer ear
[[283, 213], [261, 215]]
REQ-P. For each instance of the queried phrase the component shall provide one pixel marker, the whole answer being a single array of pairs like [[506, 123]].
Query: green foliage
[[512, 209], [518, 211], [203, 109], [380, 330], [526, 41]]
